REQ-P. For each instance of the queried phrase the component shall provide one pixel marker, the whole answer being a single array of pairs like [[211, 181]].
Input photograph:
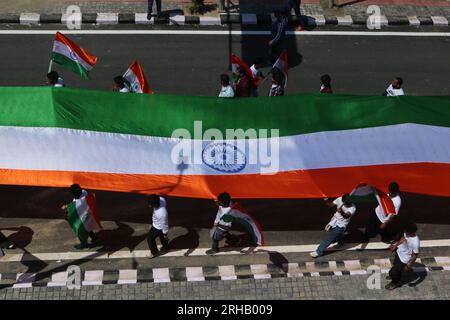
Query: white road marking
[[352, 264], [194, 274], [92, 255], [93, 278], [161, 275], [227, 272], [127, 276], [413, 21], [24, 280], [225, 33], [107, 18], [59, 279], [260, 271]]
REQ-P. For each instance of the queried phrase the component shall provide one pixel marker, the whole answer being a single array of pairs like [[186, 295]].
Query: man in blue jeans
[[337, 225], [150, 9]]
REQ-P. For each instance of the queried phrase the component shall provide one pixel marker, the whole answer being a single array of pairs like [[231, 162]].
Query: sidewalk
[[310, 7]]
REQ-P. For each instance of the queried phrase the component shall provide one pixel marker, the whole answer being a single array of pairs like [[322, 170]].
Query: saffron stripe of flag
[[136, 79], [237, 62], [68, 54]]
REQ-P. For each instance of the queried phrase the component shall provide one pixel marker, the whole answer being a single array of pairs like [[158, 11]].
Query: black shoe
[[211, 251], [149, 16], [80, 246], [167, 248], [391, 286]]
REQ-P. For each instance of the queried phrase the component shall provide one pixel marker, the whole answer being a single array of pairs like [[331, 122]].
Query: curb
[[224, 19], [227, 272]]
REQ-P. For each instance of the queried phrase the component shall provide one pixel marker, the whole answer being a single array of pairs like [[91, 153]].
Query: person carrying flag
[[379, 222], [337, 225], [82, 216], [54, 80], [120, 85]]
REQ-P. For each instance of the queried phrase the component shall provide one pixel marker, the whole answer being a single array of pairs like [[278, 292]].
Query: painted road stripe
[[227, 272], [383, 263], [194, 274], [293, 270], [24, 280], [345, 20], [29, 18], [127, 276], [260, 271], [107, 18], [413, 21], [64, 256], [442, 260], [161, 275], [59, 279], [93, 278], [226, 33], [352, 264], [439, 21]]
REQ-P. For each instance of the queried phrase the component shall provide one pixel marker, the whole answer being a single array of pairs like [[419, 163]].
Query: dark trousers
[[373, 228], [4, 242], [296, 5], [158, 6], [397, 270], [151, 239], [93, 236]]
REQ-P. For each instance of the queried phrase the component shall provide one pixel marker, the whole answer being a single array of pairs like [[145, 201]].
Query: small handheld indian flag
[[236, 62], [366, 193], [239, 215], [66, 53], [136, 79], [83, 217], [282, 65]]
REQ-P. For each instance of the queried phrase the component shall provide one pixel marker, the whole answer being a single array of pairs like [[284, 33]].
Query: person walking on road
[[257, 75], [325, 86], [278, 34], [395, 88], [150, 9], [337, 225], [160, 224], [406, 252], [226, 90], [243, 83], [221, 228], [379, 222], [78, 193]]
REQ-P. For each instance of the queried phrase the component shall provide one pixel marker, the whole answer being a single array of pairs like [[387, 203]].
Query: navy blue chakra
[[224, 157]]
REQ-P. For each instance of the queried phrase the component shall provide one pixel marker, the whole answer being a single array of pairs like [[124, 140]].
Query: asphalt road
[[191, 64]]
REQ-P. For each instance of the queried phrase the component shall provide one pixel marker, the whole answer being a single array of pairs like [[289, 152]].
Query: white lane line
[[107, 18], [93, 278], [413, 21], [127, 276], [225, 33], [442, 260], [201, 252], [161, 275], [352, 264], [439, 21], [194, 274], [29, 18], [293, 270], [383, 263], [227, 272]]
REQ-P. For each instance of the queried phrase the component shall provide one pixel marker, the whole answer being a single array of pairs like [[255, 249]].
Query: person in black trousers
[[160, 224], [150, 9]]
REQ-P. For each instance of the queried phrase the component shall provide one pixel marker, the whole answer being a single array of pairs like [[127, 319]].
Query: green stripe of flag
[[76, 224], [161, 114], [70, 64]]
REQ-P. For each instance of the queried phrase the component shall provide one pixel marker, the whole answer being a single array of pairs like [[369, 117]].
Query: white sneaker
[[314, 254]]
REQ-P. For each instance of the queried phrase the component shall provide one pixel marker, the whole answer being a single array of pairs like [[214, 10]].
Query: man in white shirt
[[120, 85], [395, 88], [406, 252], [227, 90], [258, 75], [79, 193], [222, 226], [379, 222], [160, 224], [337, 225]]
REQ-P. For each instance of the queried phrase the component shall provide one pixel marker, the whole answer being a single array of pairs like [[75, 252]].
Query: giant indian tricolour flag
[[68, 54], [327, 144]]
